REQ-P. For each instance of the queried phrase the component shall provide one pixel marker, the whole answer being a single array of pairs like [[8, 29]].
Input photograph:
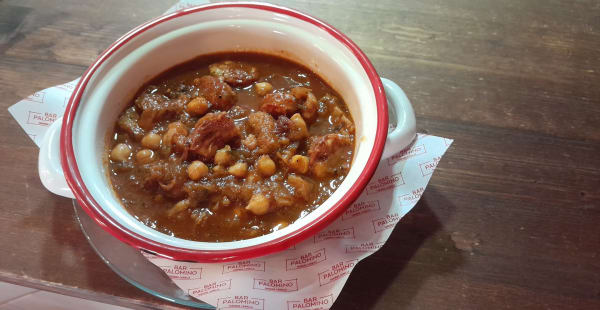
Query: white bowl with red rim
[[72, 161]]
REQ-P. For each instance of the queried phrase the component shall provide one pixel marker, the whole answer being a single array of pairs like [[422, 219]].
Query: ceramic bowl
[[114, 78]]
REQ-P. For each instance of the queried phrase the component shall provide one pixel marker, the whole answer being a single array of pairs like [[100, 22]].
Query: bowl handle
[[401, 113], [49, 167]]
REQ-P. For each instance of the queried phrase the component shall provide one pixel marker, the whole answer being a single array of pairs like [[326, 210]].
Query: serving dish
[[144, 52], [131, 265]]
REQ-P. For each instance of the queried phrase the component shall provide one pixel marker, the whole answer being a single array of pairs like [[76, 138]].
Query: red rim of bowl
[[95, 211]]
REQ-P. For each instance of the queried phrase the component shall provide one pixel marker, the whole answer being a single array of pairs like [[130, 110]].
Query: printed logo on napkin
[[245, 265], [276, 285], [211, 288], [386, 222], [364, 247], [385, 183], [241, 302], [312, 303], [428, 166], [37, 112], [305, 260], [182, 272], [361, 207], [336, 272], [41, 119], [411, 197], [407, 153], [345, 233]]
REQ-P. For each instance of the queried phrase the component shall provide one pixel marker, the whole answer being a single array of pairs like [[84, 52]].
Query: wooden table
[[511, 218]]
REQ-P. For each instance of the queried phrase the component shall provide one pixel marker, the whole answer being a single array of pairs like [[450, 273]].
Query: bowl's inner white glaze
[[180, 39]]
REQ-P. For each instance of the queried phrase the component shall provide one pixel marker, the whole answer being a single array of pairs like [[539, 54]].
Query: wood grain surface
[[511, 218]]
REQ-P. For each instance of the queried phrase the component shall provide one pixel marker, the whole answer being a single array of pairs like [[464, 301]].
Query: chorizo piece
[[212, 132], [218, 93], [235, 73]]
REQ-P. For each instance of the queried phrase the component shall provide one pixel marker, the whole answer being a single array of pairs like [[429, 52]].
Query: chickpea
[[266, 166], [320, 170], [300, 92], [197, 170], [263, 88], [299, 163], [179, 126], [151, 141], [178, 207], [310, 106], [258, 204], [298, 129], [238, 170], [197, 106], [145, 156], [252, 177], [219, 170], [120, 152], [250, 142], [223, 156]]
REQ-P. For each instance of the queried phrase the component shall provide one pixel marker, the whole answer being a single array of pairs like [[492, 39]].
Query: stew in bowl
[[230, 146]]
